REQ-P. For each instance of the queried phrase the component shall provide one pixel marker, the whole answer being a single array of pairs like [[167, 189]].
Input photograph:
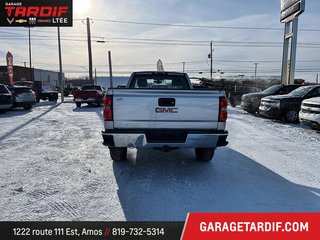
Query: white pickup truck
[[310, 112], [161, 110]]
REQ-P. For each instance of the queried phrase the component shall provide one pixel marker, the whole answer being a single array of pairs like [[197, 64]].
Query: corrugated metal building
[[25, 74]]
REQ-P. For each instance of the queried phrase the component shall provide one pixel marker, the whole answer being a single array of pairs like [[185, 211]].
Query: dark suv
[[250, 102], [287, 107], [5, 99]]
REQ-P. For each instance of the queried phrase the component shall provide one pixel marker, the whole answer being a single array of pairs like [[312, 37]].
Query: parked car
[[234, 97], [69, 89], [42, 91], [310, 112], [5, 99], [287, 107], [22, 97], [250, 102], [90, 94]]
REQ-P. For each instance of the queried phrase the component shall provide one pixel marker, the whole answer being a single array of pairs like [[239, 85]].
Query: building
[[25, 74]]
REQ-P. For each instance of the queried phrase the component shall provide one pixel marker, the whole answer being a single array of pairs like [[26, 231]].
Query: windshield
[[26, 84], [272, 89], [159, 82], [301, 91], [20, 90]]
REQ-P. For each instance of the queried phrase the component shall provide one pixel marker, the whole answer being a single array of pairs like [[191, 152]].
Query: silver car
[[22, 97]]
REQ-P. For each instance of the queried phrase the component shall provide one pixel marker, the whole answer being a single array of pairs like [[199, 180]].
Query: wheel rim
[[292, 115]]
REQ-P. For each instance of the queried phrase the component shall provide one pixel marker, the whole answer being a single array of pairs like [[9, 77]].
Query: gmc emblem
[[166, 110]]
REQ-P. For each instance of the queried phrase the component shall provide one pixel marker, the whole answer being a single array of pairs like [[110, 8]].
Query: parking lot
[[54, 167]]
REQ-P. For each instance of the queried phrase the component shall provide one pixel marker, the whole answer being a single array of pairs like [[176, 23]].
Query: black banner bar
[[91, 230]]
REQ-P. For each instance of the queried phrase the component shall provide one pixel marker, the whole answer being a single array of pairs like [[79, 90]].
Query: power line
[[197, 26]]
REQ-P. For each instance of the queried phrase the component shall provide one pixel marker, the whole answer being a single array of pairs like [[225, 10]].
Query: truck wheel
[[232, 102], [78, 104], [27, 107], [118, 154], [291, 116], [204, 154]]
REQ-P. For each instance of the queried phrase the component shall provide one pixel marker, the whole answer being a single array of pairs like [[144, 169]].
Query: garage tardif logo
[[31, 13]]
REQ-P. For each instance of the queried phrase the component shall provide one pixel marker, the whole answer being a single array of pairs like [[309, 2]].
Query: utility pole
[[30, 66], [317, 79], [211, 51], [95, 75], [255, 70], [25, 69], [110, 69], [61, 79], [89, 50], [183, 66]]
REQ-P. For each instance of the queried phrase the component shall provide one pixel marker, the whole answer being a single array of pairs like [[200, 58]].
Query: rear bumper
[[5, 106], [165, 138], [23, 104], [89, 100]]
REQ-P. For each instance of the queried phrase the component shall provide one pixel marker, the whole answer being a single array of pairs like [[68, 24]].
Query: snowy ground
[[54, 167]]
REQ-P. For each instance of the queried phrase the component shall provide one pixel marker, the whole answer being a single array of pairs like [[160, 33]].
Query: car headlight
[[275, 103]]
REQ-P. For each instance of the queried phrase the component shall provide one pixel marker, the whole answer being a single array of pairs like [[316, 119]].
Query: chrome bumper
[[139, 140]]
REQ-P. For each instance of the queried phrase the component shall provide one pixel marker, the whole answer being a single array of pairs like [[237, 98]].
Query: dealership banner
[[36, 13], [9, 58], [252, 226], [198, 226]]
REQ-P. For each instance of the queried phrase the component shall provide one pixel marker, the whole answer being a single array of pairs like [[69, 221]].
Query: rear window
[[21, 90], [3, 89], [272, 89], [159, 82], [91, 88]]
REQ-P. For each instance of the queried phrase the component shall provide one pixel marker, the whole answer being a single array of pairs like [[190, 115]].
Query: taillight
[[107, 108], [223, 114]]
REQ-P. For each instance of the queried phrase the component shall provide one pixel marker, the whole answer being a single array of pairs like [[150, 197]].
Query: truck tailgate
[[85, 94], [165, 109]]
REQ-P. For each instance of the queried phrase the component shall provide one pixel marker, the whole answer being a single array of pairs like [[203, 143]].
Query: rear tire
[[204, 154], [78, 104], [232, 102], [118, 153]]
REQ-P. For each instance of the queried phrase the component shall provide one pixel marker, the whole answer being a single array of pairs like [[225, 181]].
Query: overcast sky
[[243, 33]]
